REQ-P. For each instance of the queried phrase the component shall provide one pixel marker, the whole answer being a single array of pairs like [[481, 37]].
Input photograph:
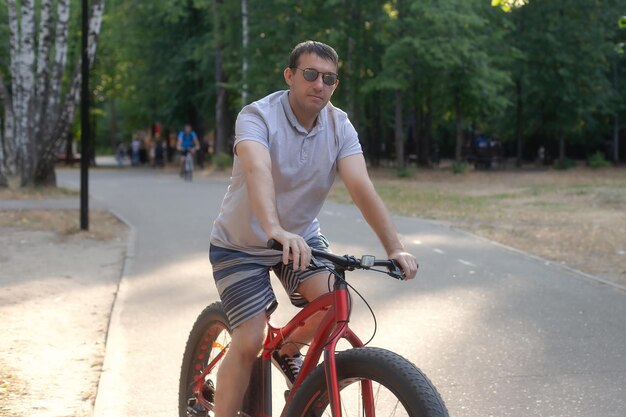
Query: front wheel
[[209, 338], [399, 388]]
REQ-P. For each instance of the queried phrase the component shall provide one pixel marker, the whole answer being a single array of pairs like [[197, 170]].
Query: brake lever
[[396, 272]]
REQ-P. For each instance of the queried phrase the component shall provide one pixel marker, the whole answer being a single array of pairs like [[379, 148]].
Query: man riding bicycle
[[187, 145], [288, 148]]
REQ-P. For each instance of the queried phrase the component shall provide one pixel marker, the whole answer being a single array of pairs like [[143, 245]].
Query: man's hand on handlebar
[[294, 248], [407, 263]]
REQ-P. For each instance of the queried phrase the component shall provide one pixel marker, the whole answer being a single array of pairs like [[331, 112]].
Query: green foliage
[[460, 167], [597, 160], [545, 65], [564, 164], [222, 161], [566, 82], [405, 172], [152, 63]]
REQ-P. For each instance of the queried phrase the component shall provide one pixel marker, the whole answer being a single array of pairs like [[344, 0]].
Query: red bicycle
[[364, 381]]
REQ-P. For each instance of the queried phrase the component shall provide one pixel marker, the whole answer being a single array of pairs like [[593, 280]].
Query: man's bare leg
[[246, 342], [233, 375], [310, 289]]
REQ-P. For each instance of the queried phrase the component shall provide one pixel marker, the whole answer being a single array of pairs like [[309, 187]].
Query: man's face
[[310, 96], [187, 129]]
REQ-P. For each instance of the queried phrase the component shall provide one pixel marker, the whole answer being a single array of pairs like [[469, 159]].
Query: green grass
[[472, 197]]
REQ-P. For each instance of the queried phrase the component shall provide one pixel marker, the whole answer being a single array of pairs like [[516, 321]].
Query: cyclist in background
[[288, 148], [187, 145]]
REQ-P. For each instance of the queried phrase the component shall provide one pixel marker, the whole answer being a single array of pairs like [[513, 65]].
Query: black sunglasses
[[311, 74]]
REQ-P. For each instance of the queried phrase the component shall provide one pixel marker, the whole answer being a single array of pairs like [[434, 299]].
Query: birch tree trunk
[[60, 125], [23, 77], [38, 113], [43, 62], [10, 157], [60, 58], [7, 152]]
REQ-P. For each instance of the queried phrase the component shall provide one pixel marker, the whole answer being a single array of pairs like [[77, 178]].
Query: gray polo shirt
[[304, 165]]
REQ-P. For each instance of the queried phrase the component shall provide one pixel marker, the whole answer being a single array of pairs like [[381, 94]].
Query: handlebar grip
[[274, 244]]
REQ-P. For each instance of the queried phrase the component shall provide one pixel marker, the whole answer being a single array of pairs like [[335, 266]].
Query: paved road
[[499, 332]]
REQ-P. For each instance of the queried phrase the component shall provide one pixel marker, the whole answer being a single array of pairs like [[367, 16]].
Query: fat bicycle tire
[[399, 387], [209, 334]]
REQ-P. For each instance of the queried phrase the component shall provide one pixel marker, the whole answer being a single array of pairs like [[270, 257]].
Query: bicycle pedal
[[195, 410]]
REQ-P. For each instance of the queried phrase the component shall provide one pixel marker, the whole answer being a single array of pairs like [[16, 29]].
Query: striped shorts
[[243, 280]]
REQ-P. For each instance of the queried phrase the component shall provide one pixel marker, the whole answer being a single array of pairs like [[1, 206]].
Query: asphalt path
[[499, 332]]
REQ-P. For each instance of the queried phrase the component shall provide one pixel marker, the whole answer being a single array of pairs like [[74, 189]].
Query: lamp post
[[84, 121]]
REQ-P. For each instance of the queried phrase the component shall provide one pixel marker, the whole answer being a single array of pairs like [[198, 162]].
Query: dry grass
[[37, 193], [576, 217], [102, 225]]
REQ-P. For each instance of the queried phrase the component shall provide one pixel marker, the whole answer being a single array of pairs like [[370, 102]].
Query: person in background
[[187, 145]]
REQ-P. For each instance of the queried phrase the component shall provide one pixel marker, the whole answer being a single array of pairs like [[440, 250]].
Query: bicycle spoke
[[386, 404], [203, 358]]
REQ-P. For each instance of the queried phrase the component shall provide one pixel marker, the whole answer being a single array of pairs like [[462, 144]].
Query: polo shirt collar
[[319, 123]]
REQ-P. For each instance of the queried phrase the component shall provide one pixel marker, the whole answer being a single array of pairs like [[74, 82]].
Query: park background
[[421, 80], [422, 74]]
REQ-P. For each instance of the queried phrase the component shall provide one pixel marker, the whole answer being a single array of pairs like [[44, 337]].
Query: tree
[[568, 69], [221, 128], [39, 108], [440, 52], [617, 58], [412, 72]]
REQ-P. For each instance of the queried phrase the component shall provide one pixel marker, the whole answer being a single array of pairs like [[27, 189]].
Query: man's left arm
[[353, 173]]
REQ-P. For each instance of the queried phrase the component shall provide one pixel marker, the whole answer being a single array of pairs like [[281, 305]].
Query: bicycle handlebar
[[349, 262]]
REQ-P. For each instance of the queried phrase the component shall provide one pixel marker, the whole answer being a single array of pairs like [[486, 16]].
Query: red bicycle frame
[[333, 327]]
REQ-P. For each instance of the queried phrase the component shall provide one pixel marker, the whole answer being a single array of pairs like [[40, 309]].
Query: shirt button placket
[[306, 145]]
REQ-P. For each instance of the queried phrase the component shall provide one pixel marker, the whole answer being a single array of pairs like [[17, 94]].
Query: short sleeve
[[250, 125], [350, 144]]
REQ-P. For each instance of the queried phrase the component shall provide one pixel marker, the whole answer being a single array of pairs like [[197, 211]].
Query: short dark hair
[[313, 47]]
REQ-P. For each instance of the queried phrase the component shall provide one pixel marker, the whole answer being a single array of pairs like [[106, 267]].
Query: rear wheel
[[208, 339], [399, 388]]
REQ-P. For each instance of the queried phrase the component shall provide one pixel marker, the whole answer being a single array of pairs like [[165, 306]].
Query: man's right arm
[[256, 163]]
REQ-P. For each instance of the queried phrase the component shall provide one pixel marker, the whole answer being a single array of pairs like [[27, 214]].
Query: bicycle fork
[[333, 328]]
